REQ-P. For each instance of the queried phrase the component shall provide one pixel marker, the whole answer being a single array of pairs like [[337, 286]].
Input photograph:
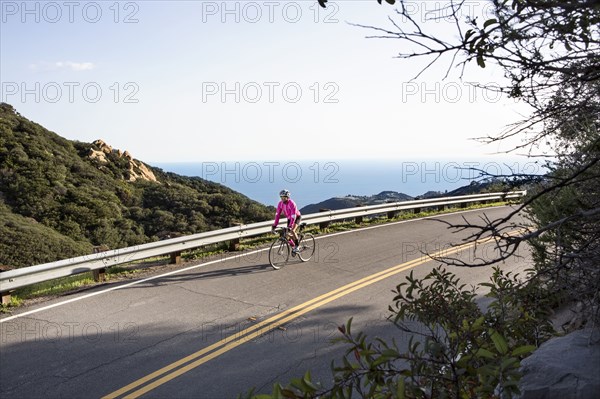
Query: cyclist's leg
[[295, 235], [295, 230]]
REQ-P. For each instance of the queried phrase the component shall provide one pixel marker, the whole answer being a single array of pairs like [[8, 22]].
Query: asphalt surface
[[218, 329]]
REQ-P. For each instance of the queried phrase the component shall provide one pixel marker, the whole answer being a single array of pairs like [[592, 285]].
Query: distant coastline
[[312, 182]]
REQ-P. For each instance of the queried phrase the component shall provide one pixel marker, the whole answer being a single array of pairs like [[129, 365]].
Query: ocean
[[311, 182]]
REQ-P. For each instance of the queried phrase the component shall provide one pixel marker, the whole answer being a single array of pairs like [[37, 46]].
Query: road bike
[[281, 248]]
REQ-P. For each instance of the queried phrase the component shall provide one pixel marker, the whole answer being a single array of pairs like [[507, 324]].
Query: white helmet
[[284, 193]]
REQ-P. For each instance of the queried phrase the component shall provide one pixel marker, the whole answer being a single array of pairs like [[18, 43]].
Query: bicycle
[[279, 252]]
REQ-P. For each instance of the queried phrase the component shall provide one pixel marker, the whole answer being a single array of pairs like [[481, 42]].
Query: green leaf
[[469, 33], [489, 22], [507, 363], [479, 322], [480, 61], [499, 342], [390, 353], [380, 360], [568, 46], [277, 388], [348, 326], [522, 350], [484, 353], [288, 393], [400, 388]]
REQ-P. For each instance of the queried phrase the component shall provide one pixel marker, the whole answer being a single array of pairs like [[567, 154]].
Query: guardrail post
[[358, 219], [175, 258], [463, 205], [99, 274], [234, 245], [323, 225], [6, 296], [440, 208], [417, 210]]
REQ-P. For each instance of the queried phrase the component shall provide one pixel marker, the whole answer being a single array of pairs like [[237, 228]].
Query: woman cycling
[[291, 212]]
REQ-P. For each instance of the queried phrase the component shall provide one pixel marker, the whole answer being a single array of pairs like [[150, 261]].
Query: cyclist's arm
[[277, 214], [293, 213]]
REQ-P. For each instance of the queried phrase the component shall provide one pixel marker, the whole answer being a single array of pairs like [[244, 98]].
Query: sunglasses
[[283, 196]]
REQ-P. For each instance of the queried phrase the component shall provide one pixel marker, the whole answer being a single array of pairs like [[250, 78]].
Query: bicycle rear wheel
[[279, 254], [306, 247]]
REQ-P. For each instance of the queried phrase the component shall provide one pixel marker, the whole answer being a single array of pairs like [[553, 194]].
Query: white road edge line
[[30, 312]]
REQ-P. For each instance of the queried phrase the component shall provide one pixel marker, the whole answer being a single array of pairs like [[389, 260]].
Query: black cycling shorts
[[297, 221]]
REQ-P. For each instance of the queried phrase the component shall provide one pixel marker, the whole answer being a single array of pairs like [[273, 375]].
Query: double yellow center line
[[182, 366]]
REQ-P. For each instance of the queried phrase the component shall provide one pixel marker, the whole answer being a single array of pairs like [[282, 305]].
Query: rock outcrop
[[564, 367], [135, 170]]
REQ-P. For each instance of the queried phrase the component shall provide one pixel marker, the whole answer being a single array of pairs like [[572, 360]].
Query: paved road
[[217, 329]]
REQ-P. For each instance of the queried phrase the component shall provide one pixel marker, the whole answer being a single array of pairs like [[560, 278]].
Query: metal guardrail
[[22, 277]]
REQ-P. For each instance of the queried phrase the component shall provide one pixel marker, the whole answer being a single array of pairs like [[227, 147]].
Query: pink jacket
[[290, 211]]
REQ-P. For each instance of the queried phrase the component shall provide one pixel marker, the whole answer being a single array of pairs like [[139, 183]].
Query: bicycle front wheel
[[306, 247], [279, 254]]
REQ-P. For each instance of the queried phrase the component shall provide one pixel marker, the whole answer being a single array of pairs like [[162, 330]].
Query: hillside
[[350, 201], [487, 186], [60, 198]]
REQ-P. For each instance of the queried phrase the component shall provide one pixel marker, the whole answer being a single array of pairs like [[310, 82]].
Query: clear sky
[[178, 81]]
